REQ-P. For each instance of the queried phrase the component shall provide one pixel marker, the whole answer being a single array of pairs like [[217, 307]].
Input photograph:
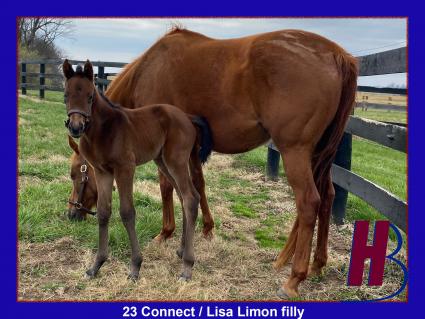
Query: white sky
[[122, 40]]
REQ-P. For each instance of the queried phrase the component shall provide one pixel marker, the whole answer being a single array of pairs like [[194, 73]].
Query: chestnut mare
[[294, 87], [115, 140]]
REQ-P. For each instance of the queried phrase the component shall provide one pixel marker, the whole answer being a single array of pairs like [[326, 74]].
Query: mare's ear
[[68, 71], [88, 70], [73, 145]]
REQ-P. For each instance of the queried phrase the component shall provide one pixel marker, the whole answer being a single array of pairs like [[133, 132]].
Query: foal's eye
[[90, 98], [65, 97]]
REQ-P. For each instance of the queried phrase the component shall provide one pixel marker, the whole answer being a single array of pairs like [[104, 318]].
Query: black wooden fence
[[387, 134], [393, 61], [101, 77]]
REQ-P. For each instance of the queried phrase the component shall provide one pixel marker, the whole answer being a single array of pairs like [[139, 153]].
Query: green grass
[[382, 115], [51, 96], [241, 203], [270, 235]]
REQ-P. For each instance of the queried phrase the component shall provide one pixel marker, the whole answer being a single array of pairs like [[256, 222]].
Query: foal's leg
[[104, 182], [199, 183], [164, 170], [298, 171], [190, 203], [124, 178], [321, 253], [168, 222]]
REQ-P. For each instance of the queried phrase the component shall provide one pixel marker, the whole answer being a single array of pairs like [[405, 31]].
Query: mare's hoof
[[179, 253], [282, 294], [286, 294], [133, 277], [90, 273]]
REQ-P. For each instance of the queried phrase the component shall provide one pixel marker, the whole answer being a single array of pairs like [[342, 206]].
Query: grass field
[[253, 217]]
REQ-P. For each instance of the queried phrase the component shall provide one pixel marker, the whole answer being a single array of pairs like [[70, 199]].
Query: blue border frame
[[9, 308]]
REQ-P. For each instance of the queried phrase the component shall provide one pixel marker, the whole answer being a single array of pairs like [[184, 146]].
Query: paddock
[[253, 217]]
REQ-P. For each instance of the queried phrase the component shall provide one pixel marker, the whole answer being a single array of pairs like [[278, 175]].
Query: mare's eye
[[90, 98]]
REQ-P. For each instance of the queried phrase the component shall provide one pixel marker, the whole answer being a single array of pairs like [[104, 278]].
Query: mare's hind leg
[[298, 170], [321, 253], [168, 222], [124, 178], [199, 183], [104, 182]]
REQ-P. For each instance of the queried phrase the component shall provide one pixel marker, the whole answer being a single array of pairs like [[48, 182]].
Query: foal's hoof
[[184, 278], [179, 253], [91, 273], [133, 277]]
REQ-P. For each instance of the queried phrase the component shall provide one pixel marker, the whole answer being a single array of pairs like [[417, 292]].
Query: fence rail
[[387, 134]]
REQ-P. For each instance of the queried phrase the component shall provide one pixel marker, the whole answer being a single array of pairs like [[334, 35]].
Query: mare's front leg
[[124, 178], [104, 182], [168, 222]]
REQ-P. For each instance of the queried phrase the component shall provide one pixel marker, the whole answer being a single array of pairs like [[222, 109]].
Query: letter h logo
[[362, 251]]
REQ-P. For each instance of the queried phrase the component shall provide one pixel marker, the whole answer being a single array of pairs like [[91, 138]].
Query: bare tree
[[46, 30]]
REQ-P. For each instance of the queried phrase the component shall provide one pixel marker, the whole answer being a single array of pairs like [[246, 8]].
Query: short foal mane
[[109, 102]]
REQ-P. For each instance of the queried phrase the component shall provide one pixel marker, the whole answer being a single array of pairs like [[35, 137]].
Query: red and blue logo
[[377, 253]]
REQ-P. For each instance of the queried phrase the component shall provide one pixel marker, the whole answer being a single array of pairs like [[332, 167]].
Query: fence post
[[23, 78], [343, 159], [273, 159], [42, 79], [100, 75]]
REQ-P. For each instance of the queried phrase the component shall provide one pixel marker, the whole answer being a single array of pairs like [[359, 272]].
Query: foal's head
[[79, 95], [81, 199]]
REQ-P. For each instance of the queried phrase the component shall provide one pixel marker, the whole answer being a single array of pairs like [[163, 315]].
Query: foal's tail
[[204, 137], [325, 150]]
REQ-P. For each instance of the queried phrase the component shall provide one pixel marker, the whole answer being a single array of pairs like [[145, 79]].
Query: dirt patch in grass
[[235, 265], [52, 159]]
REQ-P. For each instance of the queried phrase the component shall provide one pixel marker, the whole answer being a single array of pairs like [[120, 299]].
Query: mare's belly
[[233, 135]]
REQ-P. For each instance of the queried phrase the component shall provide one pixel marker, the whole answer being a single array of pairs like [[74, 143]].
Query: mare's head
[[79, 95], [84, 191]]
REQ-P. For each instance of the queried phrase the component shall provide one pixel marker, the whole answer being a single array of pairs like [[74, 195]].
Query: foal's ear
[[68, 71], [88, 70], [73, 145]]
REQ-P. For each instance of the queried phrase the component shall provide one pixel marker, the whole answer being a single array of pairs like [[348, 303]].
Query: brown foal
[[83, 195], [115, 140]]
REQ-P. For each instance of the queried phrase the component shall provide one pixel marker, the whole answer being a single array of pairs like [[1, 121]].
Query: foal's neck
[[102, 116]]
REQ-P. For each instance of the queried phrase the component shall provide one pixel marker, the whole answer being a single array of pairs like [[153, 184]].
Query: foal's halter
[[84, 179], [86, 115]]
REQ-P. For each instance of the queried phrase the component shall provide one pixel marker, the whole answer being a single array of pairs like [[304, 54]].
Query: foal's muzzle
[[77, 128], [75, 214]]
